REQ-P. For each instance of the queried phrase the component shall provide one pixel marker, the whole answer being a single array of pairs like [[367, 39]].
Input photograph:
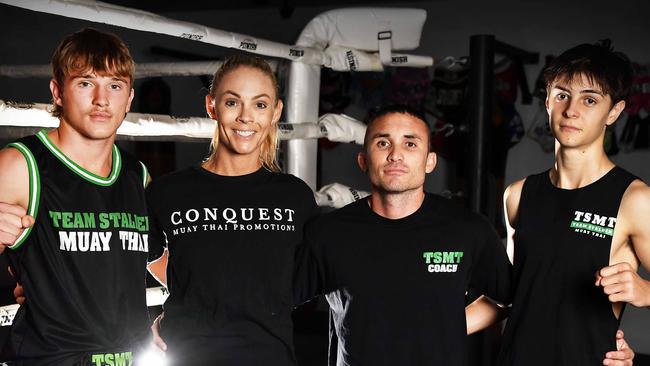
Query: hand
[[19, 293], [623, 356], [13, 220], [155, 331], [622, 284]]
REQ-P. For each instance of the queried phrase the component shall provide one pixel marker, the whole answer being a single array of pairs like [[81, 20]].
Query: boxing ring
[[356, 39], [361, 39]]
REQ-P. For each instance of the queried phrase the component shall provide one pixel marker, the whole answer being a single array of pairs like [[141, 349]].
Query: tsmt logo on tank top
[[593, 224], [112, 359], [442, 261], [231, 219]]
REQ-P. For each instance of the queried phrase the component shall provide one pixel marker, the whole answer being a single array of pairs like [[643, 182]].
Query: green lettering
[[98, 359], [437, 257], [55, 216], [459, 255], [89, 220], [78, 220], [142, 223], [67, 220], [120, 359], [447, 257], [427, 256], [113, 359], [103, 221], [115, 217], [125, 220]]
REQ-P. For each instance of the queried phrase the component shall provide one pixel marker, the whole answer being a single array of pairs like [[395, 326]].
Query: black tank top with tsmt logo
[[562, 238]]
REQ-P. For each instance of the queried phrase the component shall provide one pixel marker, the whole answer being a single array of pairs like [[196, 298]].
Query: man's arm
[[623, 355], [511, 198], [620, 281], [14, 196], [155, 333], [158, 268], [482, 313]]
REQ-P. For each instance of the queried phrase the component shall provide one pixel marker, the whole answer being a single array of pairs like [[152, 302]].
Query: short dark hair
[[611, 71], [380, 111]]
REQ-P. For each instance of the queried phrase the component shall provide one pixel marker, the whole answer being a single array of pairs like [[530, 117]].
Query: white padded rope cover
[[327, 30], [335, 127], [99, 12], [358, 28], [351, 37]]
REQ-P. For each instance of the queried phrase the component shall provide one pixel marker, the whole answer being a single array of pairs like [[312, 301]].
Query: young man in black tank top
[[75, 219], [577, 232]]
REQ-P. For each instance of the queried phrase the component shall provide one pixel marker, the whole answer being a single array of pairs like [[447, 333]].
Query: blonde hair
[[269, 148], [90, 49]]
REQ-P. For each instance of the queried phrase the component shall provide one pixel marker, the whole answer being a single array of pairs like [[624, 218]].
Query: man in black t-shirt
[[396, 267]]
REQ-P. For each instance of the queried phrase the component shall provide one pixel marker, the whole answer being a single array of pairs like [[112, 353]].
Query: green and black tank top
[[83, 263]]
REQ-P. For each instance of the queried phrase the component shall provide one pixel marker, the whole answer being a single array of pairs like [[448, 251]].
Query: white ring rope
[[142, 70], [99, 12], [335, 127], [351, 39], [339, 57]]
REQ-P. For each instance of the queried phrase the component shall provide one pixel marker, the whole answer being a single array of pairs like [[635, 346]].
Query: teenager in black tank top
[[89, 245], [575, 220]]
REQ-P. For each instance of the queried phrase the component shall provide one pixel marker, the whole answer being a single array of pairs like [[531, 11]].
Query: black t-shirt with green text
[[397, 287]]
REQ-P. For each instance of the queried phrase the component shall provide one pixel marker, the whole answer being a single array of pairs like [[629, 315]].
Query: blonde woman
[[231, 226]]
